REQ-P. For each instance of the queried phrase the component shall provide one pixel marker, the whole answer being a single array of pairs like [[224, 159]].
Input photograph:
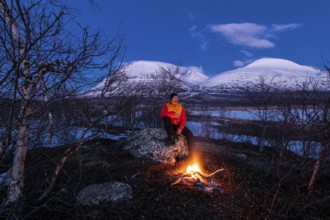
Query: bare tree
[[321, 111], [42, 61], [262, 95], [156, 91], [168, 82]]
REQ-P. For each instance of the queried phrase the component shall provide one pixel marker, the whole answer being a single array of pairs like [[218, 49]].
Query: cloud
[[245, 61], [192, 29], [246, 53], [244, 34], [241, 63], [195, 33], [284, 27], [238, 63], [250, 34]]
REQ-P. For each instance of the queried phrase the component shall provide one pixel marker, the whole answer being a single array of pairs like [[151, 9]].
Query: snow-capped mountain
[[150, 77], [271, 71], [154, 69]]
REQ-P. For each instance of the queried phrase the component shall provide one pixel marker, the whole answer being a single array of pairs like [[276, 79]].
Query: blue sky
[[215, 35]]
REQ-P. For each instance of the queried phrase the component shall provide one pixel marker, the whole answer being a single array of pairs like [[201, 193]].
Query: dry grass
[[252, 189]]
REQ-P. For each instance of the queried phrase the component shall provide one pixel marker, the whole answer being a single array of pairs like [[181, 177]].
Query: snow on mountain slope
[[268, 70], [151, 69], [149, 76]]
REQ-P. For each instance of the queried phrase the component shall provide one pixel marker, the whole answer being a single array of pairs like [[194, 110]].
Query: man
[[174, 118]]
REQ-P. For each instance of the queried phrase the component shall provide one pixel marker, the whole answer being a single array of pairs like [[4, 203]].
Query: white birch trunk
[[15, 191], [17, 175]]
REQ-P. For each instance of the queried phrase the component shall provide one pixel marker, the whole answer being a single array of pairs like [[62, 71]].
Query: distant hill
[[271, 71], [153, 69], [150, 77]]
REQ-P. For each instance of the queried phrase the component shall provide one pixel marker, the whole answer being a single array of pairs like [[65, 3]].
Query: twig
[[59, 167], [196, 173], [209, 175]]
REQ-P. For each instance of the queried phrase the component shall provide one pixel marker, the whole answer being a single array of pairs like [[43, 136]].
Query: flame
[[193, 168], [190, 172], [195, 172]]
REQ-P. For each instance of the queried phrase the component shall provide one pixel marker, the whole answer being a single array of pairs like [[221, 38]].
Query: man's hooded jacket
[[169, 110]]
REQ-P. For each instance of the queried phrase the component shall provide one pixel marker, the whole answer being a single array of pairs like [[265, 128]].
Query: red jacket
[[169, 110]]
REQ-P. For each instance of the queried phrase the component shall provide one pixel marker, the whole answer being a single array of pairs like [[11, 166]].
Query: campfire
[[195, 177]]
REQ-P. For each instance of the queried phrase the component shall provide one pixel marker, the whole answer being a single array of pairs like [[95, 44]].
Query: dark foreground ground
[[254, 185]]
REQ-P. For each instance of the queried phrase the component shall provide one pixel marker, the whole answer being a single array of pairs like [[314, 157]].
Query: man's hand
[[179, 131], [177, 115]]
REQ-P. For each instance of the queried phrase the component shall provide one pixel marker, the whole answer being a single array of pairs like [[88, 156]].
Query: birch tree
[[41, 58]]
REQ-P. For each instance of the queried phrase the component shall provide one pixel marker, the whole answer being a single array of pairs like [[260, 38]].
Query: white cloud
[[238, 63], [284, 27], [244, 34], [194, 33], [251, 34], [246, 53], [241, 63]]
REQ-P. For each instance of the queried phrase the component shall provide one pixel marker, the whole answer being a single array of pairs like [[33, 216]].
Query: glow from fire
[[190, 173], [193, 168]]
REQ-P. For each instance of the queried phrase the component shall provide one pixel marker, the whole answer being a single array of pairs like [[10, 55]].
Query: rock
[[103, 193], [151, 144]]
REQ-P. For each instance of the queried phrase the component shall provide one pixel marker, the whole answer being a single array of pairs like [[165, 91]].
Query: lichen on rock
[[151, 143], [103, 193]]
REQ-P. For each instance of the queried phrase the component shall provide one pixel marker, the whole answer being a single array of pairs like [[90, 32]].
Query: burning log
[[197, 175], [193, 176]]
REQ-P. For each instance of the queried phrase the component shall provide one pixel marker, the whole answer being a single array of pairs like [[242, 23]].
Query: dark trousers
[[171, 132]]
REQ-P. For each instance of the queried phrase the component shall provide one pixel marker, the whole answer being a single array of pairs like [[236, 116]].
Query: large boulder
[[96, 194], [151, 143]]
